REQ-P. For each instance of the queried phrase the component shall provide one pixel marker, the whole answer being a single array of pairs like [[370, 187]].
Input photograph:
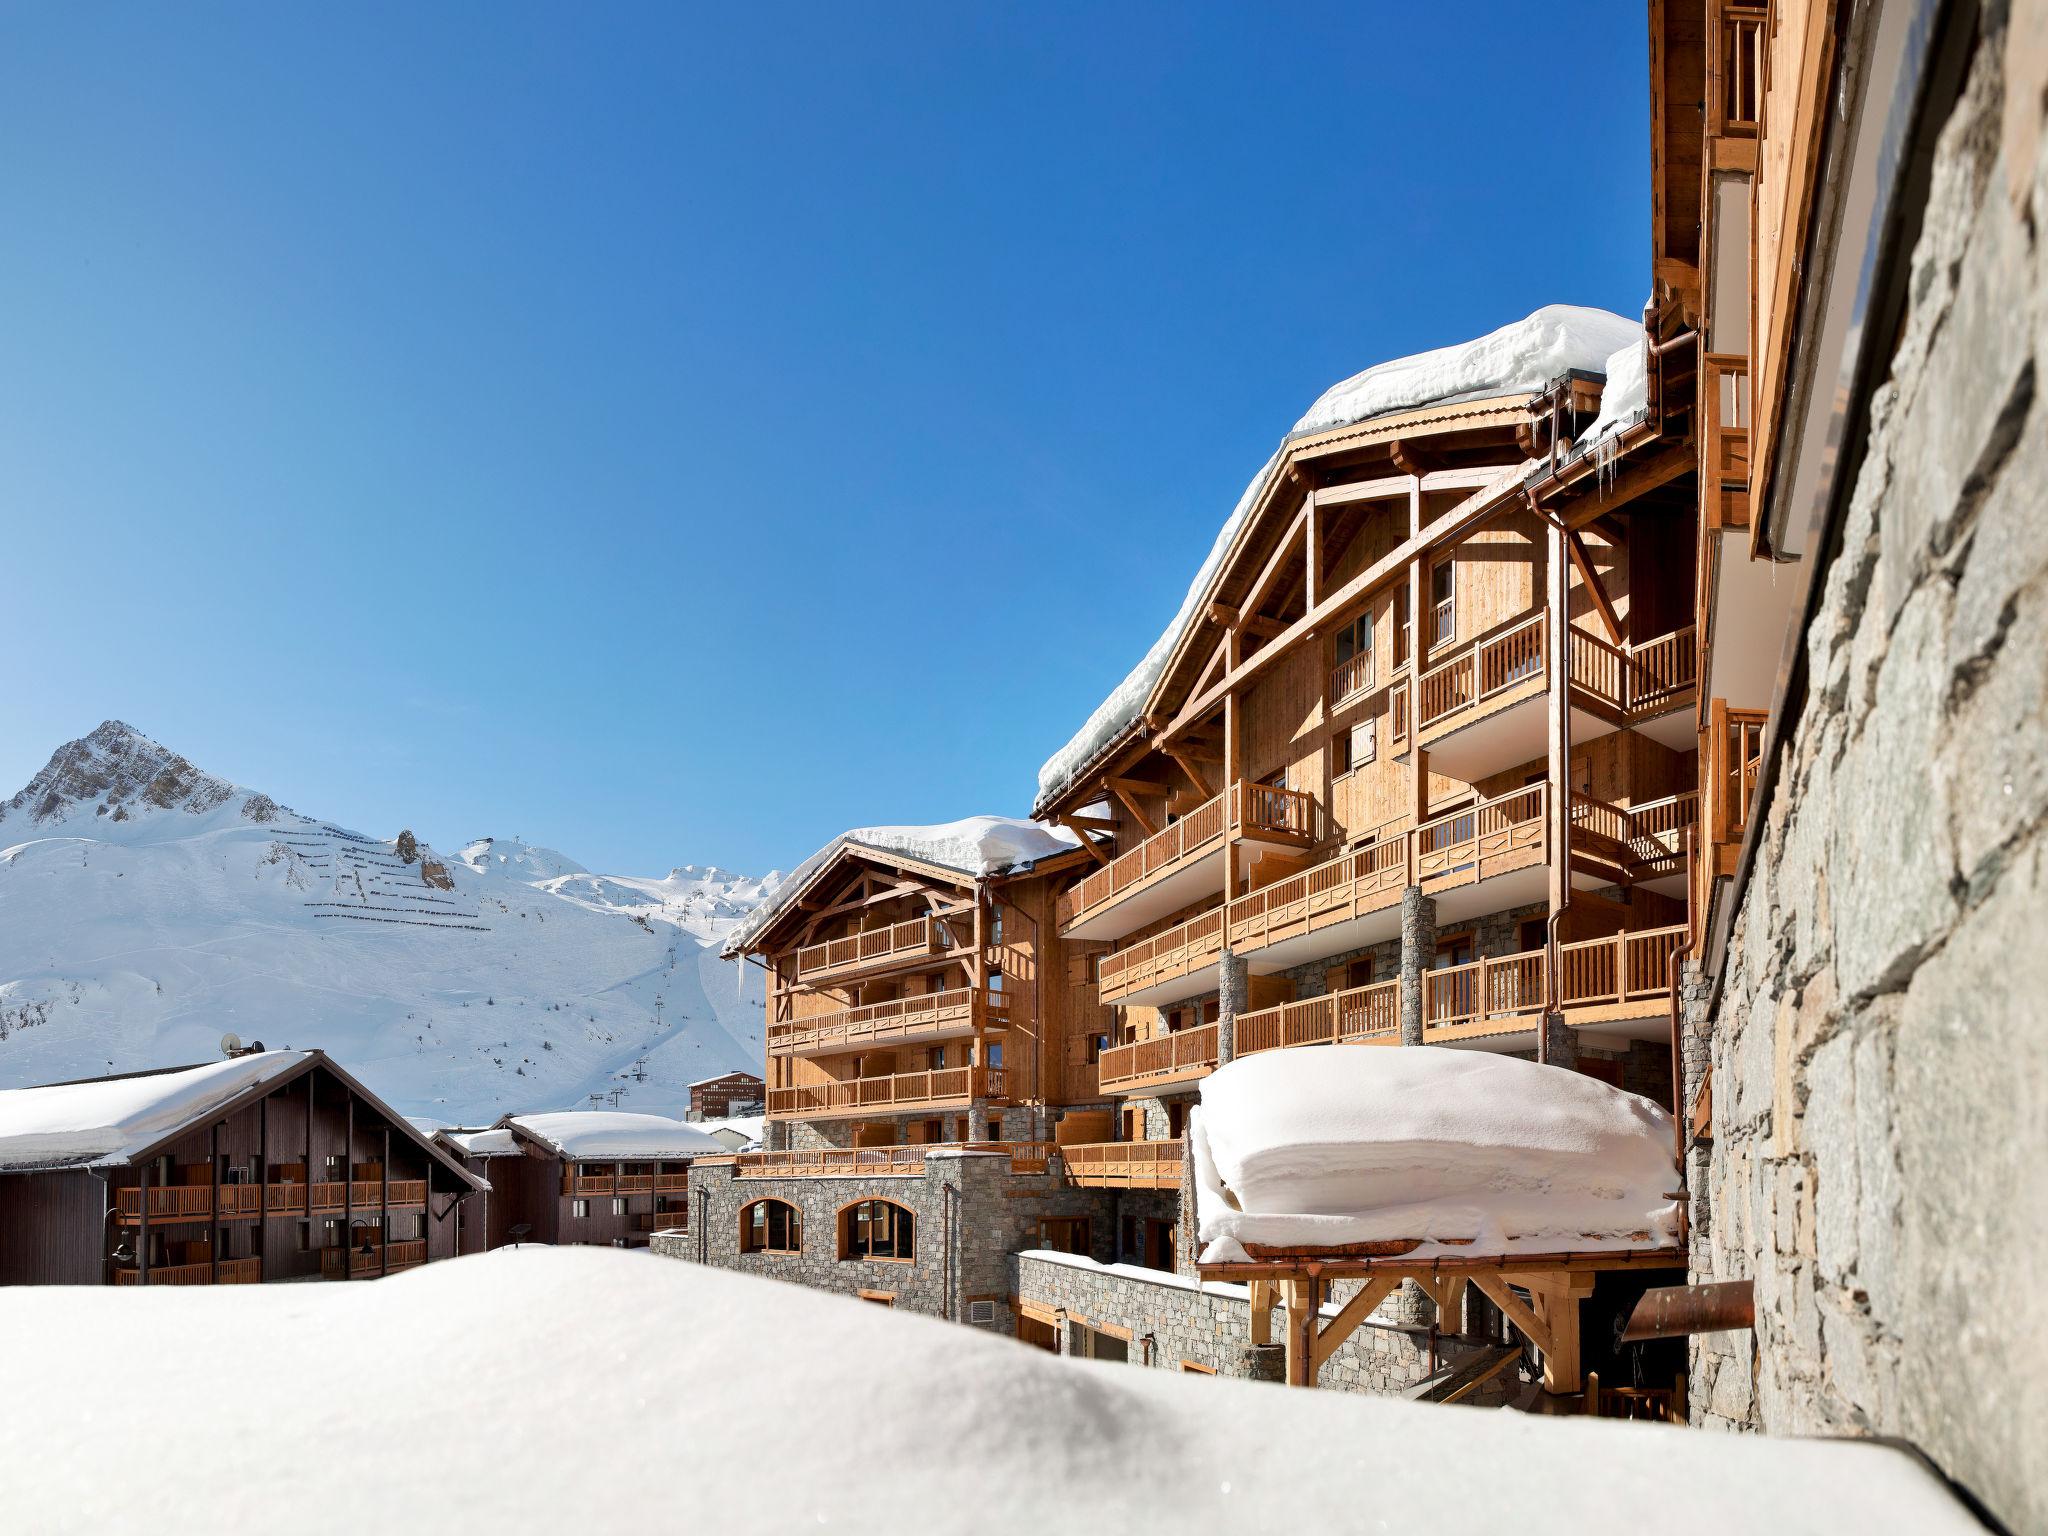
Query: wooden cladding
[[920, 938], [194, 1202], [1123, 1164], [902, 1018], [1262, 811], [1357, 1013], [1187, 1053], [897, 1090]]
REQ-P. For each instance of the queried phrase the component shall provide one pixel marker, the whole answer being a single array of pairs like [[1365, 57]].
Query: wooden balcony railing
[[1123, 1164], [662, 1221], [368, 1259], [1177, 952], [1186, 1053], [1336, 1018], [917, 939], [1350, 678], [1735, 747], [945, 1085], [1492, 664], [1508, 987], [1646, 841], [901, 1018], [1492, 828], [1244, 810], [1443, 623], [194, 1202], [1724, 441], [1624, 968], [882, 1162], [671, 1183], [1334, 891], [1646, 676], [232, 1272]]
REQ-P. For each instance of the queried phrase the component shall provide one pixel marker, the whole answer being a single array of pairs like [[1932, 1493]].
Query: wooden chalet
[[728, 1094], [578, 1177], [912, 1002], [267, 1166]]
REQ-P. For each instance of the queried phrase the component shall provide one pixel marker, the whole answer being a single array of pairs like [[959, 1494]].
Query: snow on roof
[[1516, 359], [974, 845], [1341, 1144], [722, 1077], [615, 1133], [747, 1129], [497, 1142], [107, 1120], [1626, 398], [801, 1416]]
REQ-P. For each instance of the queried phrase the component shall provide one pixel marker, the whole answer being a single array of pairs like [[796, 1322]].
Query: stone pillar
[[1560, 1042], [977, 1121], [775, 1136], [1418, 949], [1230, 1000]]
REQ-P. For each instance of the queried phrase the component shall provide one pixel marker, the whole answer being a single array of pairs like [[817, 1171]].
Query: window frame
[[902, 1225], [793, 1228]]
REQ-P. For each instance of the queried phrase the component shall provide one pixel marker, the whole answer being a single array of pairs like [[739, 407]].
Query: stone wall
[[1879, 1051]]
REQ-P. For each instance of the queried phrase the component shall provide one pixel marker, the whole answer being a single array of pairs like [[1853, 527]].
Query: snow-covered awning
[[1520, 358], [1462, 1153], [614, 1135], [974, 846]]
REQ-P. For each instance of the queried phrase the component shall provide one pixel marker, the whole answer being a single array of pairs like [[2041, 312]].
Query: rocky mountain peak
[[120, 772]]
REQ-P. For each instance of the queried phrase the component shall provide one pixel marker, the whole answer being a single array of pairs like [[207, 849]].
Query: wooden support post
[[1301, 1332], [1262, 1311], [1495, 1289], [263, 1189], [384, 1208], [142, 1231], [1355, 1311], [1557, 1297], [213, 1234], [1595, 590]]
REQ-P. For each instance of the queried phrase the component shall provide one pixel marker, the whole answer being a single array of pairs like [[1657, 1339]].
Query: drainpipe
[[1560, 777], [106, 1214]]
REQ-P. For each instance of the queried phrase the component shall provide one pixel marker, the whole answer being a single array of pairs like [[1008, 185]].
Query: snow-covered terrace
[[453, 1398]]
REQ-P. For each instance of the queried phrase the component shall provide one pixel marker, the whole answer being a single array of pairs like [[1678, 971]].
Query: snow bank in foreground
[[1519, 358], [974, 845], [451, 1397], [108, 1119], [1348, 1144], [613, 1133]]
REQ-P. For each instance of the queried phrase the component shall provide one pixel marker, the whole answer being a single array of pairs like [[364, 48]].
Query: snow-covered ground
[[569, 1389], [147, 907]]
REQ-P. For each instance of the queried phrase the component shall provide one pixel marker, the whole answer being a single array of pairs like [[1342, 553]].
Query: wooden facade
[[539, 1193], [306, 1176], [731, 1093]]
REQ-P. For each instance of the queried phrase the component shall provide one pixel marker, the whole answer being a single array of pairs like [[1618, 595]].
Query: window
[[579, 1208], [1453, 949], [1064, 1234], [1401, 631], [1097, 1044], [1443, 602], [1176, 1119], [1357, 746], [618, 1206], [1354, 657], [770, 1226], [1093, 1344], [877, 1229], [995, 1123], [993, 1051]]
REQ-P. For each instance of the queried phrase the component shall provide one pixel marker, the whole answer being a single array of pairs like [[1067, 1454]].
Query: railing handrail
[[1159, 1056], [909, 1013], [917, 935], [933, 1084]]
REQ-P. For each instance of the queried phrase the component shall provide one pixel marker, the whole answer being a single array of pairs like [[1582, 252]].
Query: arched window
[[877, 1229], [770, 1226]]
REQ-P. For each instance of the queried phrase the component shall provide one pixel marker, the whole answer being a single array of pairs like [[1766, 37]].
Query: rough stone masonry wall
[[1880, 1049]]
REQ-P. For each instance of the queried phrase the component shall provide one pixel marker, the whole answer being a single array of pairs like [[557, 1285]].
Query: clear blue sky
[[674, 434]]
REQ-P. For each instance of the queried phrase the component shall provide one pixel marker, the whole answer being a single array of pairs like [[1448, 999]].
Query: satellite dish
[[230, 1043]]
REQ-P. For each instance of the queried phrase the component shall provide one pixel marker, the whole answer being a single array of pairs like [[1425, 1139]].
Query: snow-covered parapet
[[1469, 1152], [1520, 358], [607, 1135], [106, 1120], [974, 845]]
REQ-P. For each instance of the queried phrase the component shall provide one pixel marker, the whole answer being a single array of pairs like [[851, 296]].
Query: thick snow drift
[[609, 1134], [109, 1119], [974, 845], [1626, 396], [1516, 359], [458, 1397], [1350, 1144], [488, 1143]]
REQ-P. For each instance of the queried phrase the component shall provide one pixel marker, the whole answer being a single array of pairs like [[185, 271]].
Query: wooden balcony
[[944, 1088], [879, 949], [1624, 976], [1184, 862], [1180, 960], [953, 1014], [1482, 998], [1645, 679], [1334, 893], [1176, 1058], [882, 1162], [1493, 837], [368, 1260], [1732, 764], [672, 1183], [1123, 1164], [244, 1202], [1639, 844], [232, 1272], [1370, 1014], [1724, 441], [662, 1221], [1500, 666]]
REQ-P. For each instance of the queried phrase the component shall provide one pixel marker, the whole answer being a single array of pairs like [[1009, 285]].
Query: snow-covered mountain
[[147, 907]]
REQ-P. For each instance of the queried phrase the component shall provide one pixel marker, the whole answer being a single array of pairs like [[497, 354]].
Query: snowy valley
[[147, 908]]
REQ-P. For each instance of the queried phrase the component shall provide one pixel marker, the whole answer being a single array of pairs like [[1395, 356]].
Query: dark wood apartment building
[[730, 1093], [594, 1177], [267, 1166]]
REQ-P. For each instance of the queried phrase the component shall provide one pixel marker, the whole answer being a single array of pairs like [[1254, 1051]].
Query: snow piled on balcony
[[611, 1134], [974, 845], [107, 1120], [1325, 1146], [450, 1397], [1518, 358]]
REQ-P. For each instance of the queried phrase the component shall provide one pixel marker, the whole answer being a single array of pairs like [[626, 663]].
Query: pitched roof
[[611, 1134]]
